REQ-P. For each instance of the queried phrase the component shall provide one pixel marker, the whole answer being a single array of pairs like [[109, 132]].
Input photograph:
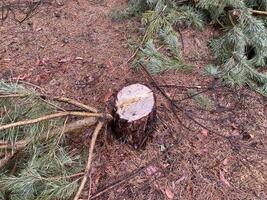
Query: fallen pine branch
[[259, 12], [59, 99], [70, 128], [32, 125], [89, 161], [76, 103], [52, 116]]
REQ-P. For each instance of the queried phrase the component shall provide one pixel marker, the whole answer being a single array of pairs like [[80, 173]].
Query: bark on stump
[[135, 114]]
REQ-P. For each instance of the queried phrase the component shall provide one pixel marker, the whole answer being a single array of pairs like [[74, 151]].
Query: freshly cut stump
[[135, 114]]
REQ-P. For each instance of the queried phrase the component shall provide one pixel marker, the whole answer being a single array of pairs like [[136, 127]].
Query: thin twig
[[182, 86], [89, 161], [119, 182], [90, 186], [63, 130], [135, 172], [76, 103], [30, 84], [11, 95], [49, 117], [172, 103], [175, 106]]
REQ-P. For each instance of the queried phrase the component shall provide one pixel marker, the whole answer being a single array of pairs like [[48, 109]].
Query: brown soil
[[77, 51]]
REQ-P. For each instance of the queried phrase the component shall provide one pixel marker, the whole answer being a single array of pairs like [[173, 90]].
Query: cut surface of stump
[[135, 114]]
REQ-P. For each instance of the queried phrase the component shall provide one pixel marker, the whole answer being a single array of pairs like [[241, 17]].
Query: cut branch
[[11, 95], [89, 161], [70, 128], [76, 103], [52, 116], [259, 12], [59, 99]]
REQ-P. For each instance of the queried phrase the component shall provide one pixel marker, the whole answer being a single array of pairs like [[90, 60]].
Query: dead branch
[[89, 161], [135, 172], [76, 103], [11, 95], [59, 99], [52, 116], [70, 128], [259, 12]]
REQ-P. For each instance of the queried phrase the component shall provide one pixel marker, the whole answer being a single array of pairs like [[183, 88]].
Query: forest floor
[[76, 50]]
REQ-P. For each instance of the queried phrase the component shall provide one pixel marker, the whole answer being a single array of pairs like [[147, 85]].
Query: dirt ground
[[73, 48]]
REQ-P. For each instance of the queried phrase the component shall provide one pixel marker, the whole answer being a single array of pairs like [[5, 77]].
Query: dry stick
[[119, 182], [11, 95], [133, 173], [62, 131], [53, 105], [175, 106], [172, 103], [90, 186], [30, 84], [70, 128], [259, 12], [51, 116], [76, 103], [89, 161], [60, 99]]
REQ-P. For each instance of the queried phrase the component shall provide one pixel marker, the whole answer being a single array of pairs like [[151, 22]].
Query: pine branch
[[76, 103], [11, 95], [60, 99], [52, 116], [69, 128], [33, 137], [89, 161], [259, 12]]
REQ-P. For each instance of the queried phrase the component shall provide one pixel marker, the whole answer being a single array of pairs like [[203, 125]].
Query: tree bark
[[135, 115]]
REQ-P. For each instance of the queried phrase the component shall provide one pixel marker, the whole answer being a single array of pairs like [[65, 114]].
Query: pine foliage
[[157, 62], [41, 170], [241, 50], [161, 19]]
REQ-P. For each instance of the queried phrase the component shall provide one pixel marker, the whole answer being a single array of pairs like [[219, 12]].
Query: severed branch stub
[[135, 114]]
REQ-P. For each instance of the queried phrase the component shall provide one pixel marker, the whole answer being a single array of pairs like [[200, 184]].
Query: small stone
[[53, 82], [57, 14], [65, 40]]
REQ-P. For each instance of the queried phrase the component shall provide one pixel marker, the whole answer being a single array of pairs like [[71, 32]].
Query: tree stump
[[135, 114]]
